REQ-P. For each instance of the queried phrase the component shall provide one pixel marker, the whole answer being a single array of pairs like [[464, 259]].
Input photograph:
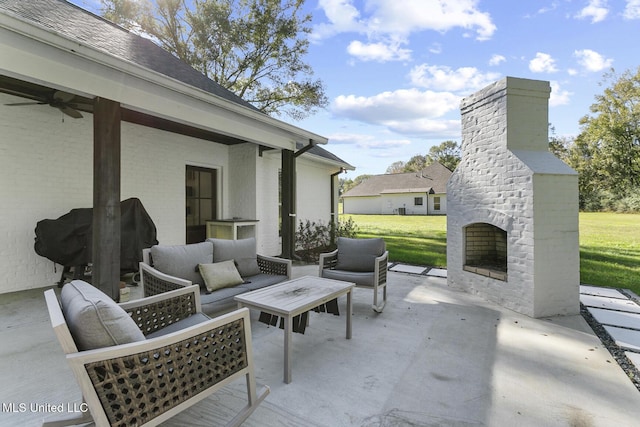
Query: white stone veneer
[[508, 178]]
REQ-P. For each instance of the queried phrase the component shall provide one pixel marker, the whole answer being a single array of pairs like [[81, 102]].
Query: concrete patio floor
[[435, 357]]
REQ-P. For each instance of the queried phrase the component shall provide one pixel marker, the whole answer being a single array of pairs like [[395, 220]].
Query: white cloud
[[444, 78], [384, 20], [632, 10], [435, 48], [366, 141], [380, 52], [558, 96], [406, 111], [427, 128], [342, 15], [596, 10], [543, 63], [592, 60], [496, 60], [403, 17]]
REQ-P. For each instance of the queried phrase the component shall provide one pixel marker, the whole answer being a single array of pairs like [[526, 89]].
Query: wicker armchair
[[146, 382], [361, 261]]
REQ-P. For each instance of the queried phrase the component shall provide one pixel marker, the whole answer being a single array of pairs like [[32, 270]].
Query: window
[[201, 198], [418, 201], [436, 203]]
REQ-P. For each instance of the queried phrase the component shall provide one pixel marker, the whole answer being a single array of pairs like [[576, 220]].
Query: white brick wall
[[313, 190], [46, 170], [268, 240], [508, 178]]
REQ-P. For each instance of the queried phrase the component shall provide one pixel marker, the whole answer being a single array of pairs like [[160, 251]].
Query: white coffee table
[[292, 298]]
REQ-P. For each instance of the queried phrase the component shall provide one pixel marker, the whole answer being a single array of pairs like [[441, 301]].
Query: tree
[[447, 154], [348, 184], [610, 136], [396, 167], [416, 163], [255, 48]]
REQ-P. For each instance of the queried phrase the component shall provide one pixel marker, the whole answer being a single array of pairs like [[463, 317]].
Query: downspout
[[334, 215], [289, 214]]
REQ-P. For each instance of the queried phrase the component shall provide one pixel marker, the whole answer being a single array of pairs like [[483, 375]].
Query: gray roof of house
[[89, 29], [318, 151], [433, 178]]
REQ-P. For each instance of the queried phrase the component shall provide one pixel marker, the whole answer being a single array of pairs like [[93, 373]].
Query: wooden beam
[[288, 204], [106, 197]]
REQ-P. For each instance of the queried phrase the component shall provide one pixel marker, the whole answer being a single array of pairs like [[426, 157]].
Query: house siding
[[46, 170], [314, 191], [389, 204], [366, 205], [393, 204]]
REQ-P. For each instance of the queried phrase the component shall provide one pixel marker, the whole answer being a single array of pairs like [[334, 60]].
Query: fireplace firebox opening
[[486, 250]]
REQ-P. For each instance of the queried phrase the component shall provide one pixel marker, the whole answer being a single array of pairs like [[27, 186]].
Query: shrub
[[315, 237]]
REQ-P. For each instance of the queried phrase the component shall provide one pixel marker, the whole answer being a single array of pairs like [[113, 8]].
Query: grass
[[609, 244]]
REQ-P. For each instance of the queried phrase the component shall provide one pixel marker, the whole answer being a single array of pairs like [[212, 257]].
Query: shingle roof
[[434, 177], [316, 150], [89, 29]]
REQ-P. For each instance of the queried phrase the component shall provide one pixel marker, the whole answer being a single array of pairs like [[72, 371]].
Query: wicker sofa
[[165, 268]]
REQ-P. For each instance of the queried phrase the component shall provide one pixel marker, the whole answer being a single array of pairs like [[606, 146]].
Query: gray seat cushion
[[260, 281], [94, 319], [358, 254], [182, 260], [360, 278], [181, 324], [222, 299], [242, 251]]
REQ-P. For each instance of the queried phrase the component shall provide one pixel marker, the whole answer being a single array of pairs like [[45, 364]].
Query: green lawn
[[609, 244]]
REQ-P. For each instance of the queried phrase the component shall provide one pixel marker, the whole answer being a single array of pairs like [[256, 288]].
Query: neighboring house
[[170, 127], [411, 193]]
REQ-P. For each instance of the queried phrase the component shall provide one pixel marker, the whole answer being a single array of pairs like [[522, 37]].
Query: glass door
[[201, 199]]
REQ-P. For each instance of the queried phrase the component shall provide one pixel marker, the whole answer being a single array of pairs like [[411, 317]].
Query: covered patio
[[436, 356]]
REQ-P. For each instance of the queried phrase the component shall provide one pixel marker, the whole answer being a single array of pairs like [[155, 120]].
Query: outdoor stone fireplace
[[512, 222]]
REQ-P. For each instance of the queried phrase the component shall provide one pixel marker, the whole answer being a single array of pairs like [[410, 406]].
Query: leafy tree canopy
[[609, 142], [446, 153], [255, 48]]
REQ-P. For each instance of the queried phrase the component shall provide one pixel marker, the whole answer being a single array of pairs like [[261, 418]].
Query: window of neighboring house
[[201, 197], [436, 203], [418, 201]]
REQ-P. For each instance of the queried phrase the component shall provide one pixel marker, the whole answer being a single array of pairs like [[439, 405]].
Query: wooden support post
[[288, 204], [106, 197]]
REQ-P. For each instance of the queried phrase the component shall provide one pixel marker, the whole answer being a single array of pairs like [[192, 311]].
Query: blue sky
[[396, 70]]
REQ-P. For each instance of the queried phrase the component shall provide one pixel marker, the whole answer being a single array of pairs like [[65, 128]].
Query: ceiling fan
[[58, 99]]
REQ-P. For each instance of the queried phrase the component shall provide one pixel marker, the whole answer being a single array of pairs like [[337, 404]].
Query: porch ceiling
[[39, 93]]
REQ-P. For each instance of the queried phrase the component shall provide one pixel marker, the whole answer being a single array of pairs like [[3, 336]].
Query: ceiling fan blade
[[63, 96], [70, 112], [15, 104]]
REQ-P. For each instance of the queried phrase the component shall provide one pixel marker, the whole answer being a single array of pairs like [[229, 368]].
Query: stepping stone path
[[619, 314], [415, 269]]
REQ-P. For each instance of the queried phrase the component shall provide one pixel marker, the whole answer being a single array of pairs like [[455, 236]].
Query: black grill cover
[[68, 240]]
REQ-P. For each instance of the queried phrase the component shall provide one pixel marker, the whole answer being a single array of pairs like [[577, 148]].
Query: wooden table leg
[[288, 326], [349, 310]]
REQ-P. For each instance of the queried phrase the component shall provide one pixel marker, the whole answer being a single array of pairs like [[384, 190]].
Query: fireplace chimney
[[512, 215]]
